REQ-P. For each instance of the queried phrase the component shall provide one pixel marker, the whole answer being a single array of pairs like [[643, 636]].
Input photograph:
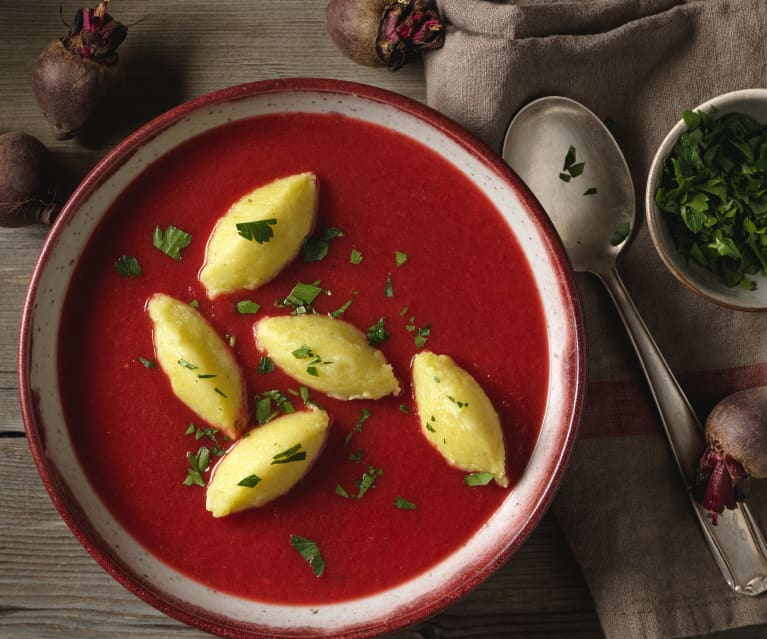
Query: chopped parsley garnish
[[340, 490], [341, 310], [303, 352], [207, 376], [301, 298], [569, 157], [128, 266], [194, 304], [247, 307], [590, 191], [620, 232], [457, 402], [303, 393], [364, 416], [199, 433], [356, 456], [404, 408], [571, 168], [421, 335], [577, 169], [183, 363], [404, 504], [292, 454], [355, 257], [265, 365], [171, 241], [478, 479], [377, 333], [712, 195], [264, 411], [198, 464], [368, 480], [389, 288], [147, 363], [220, 392], [316, 246], [251, 481], [400, 258], [310, 551], [257, 231]]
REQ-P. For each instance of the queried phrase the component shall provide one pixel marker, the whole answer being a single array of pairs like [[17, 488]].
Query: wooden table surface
[[177, 50]]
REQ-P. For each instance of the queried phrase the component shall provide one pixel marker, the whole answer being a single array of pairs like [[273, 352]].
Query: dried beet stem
[[736, 433], [387, 33], [408, 27]]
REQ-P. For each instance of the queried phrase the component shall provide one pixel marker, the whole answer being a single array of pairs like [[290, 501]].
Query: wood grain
[[177, 50]]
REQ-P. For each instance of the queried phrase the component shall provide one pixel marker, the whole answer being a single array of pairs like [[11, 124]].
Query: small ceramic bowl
[[229, 614], [751, 102]]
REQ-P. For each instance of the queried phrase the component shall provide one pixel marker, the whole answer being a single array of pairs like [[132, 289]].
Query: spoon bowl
[[573, 165], [593, 211]]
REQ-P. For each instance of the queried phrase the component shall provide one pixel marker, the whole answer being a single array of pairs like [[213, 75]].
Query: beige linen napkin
[[640, 63]]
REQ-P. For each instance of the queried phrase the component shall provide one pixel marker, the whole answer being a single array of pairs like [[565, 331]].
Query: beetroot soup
[[460, 286]]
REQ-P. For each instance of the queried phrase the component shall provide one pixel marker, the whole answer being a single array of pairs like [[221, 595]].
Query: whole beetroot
[[736, 433], [25, 191], [380, 33], [73, 76]]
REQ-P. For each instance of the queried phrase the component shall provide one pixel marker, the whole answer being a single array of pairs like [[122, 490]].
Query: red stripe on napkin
[[625, 408]]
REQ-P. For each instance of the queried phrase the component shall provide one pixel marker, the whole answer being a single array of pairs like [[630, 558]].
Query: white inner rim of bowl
[[505, 525]]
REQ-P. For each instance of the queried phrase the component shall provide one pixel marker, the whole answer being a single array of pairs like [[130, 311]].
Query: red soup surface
[[465, 287]]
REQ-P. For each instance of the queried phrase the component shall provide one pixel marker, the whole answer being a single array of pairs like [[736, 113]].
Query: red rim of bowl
[[59, 493]]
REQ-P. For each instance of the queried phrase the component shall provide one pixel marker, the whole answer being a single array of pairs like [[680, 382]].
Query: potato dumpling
[[202, 371], [457, 417], [273, 220], [326, 354], [267, 462]]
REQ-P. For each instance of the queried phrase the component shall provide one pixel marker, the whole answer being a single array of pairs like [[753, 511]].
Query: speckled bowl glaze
[[752, 102], [137, 568]]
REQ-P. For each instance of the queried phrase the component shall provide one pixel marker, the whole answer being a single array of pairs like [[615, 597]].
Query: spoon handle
[[736, 542]]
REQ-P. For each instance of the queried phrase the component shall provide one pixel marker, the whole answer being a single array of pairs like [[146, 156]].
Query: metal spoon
[[594, 228]]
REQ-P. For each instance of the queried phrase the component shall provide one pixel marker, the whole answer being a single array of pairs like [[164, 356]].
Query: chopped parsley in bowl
[[706, 199]]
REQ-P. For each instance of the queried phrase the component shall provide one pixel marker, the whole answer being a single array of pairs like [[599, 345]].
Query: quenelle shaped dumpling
[[202, 371], [267, 462], [326, 354], [286, 209], [457, 417]]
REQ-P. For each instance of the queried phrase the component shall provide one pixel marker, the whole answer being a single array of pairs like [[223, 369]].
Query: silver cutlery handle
[[736, 542]]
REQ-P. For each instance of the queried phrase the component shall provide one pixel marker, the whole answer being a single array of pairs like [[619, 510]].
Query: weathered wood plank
[[18, 251]]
